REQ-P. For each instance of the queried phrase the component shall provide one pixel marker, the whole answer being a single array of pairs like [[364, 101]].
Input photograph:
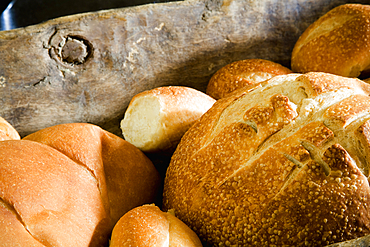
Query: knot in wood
[[74, 51]]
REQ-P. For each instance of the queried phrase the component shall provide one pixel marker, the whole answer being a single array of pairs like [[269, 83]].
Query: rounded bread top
[[284, 162], [337, 43], [242, 73], [69, 184]]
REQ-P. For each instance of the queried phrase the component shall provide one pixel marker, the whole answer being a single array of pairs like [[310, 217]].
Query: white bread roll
[[285, 164], [68, 185], [147, 225], [155, 120], [336, 43], [242, 73], [7, 131]]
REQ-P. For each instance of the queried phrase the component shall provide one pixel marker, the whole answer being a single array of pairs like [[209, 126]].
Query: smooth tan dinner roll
[[147, 225], [155, 120], [336, 43], [242, 73], [285, 163], [7, 131], [68, 185]]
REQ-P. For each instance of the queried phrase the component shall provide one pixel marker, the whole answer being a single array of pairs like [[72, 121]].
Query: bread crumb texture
[[156, 119], [284, 164]]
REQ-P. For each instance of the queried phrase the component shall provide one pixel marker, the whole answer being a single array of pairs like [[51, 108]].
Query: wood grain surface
[[358, 242], [87, 67]]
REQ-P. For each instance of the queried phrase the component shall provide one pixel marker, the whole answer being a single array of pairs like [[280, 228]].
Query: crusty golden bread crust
[[156, 119], [13, 232], [68, 185], [7, 131], [284, 163], [242, 73], [147, 225], [142, 226], [117, 165], [336, 43], [57, 201]]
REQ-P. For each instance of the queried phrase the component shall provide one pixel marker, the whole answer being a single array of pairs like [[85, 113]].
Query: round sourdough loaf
[[336, 43], [68, 185], [147, 225], [284, 163], [242, 73]]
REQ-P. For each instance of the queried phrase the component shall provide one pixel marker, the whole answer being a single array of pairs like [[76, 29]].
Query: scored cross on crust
[[281, 163]]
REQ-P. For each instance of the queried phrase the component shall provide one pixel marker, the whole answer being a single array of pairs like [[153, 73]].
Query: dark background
[[21, 13]]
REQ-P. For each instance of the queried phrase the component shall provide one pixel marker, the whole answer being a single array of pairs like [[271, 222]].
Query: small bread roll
[[155, 120], [242, 73], [336, 43], [149, 226], [7, 131]]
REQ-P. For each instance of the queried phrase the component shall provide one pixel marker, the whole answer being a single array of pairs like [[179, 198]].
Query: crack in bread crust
[[231, 188], [9, 219]]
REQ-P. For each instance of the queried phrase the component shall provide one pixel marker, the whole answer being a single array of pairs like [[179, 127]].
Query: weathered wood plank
[[118, 53], [358, 242]]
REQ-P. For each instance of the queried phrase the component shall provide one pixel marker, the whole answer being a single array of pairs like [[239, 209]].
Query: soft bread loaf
[[336, 43], [7, 131], [147, 225], [242, 73], [155, 120], [48, 200], [285, 163], [68, 185]]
